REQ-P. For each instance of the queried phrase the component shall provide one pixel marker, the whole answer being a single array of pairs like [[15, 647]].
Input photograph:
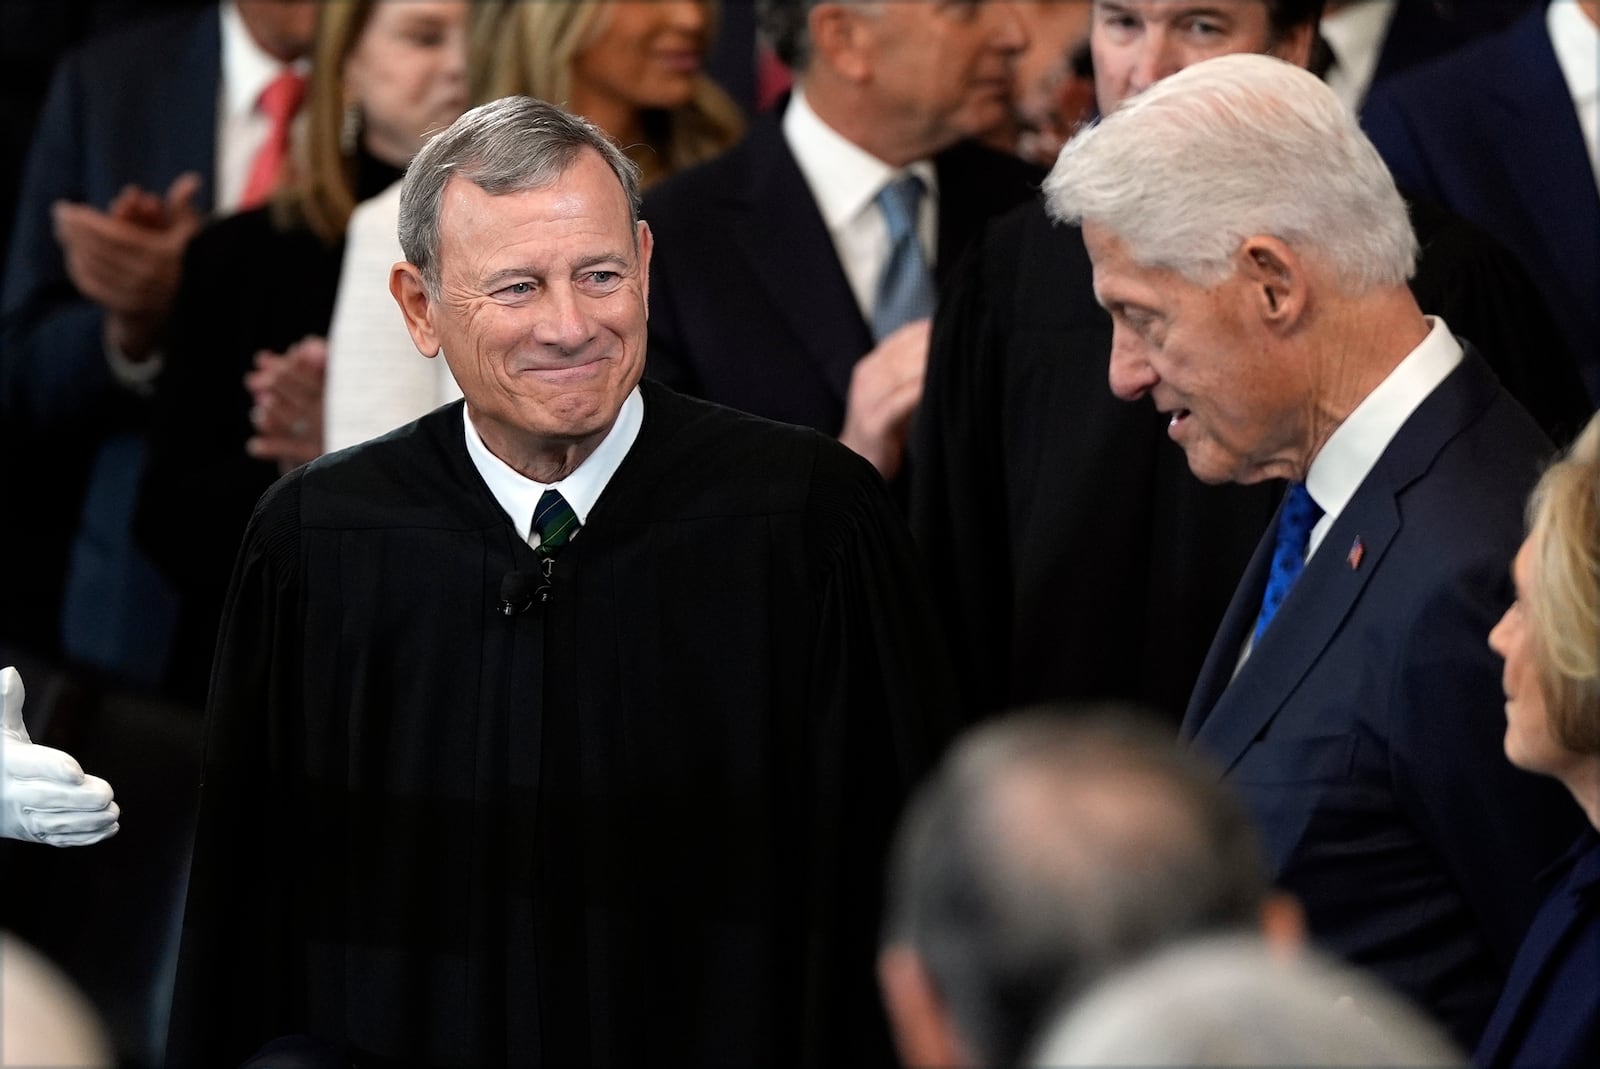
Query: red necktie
[[279, 102]]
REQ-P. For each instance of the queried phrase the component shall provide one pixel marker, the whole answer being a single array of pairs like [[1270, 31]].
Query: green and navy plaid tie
[[554, 521]]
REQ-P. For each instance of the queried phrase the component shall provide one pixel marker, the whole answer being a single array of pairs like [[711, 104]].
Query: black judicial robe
[[641, 823]]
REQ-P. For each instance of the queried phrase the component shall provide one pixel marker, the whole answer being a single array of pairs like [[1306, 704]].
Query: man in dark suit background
[[165, 104], [1079, 558], [784, 287], [1362, 43], [140, 137], [1504, 133], [1355, 706]]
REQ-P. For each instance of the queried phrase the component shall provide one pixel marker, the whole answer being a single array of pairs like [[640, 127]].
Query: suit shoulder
[[1437, 85], [132, 45], [1469, 498], [990, 168], [677, 199], [716, 459], [417, 475]]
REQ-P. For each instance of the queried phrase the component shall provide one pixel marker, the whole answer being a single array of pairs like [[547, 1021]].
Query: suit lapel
[[1217, 671], [196, 62], [1321, 599], [787, 249], [1333, 580]]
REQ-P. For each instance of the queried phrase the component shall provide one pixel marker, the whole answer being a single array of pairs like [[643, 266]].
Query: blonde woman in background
[[244, 352], [635, 68], [1549, 1010]]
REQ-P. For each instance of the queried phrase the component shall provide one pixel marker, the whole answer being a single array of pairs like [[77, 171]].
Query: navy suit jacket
[[1549, 1012], [135, 105], [1421, 30], [749, 305], [1364, 731], [1490, 132]]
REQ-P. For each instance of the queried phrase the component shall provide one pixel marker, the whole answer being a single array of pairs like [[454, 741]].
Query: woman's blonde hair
[[323, 193], [538, 45], [1564, 600]]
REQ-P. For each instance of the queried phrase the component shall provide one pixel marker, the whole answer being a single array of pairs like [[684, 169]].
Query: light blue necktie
[[905, 289]]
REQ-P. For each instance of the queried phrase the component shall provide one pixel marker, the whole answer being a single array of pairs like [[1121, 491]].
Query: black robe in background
[[1074, 555], [259, 279], [643, 824]]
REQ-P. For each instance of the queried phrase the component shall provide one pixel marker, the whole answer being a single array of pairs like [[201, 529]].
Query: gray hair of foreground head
[[1230, 148], [506, 146], [1053, 845], [1231, 1002]]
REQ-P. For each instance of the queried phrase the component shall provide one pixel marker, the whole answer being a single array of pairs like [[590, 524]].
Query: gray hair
[[1232, 147], [786, 24], [1231, 1002], [506, 146], [1052, 846]]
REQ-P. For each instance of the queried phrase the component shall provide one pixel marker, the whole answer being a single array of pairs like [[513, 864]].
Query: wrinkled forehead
[[585, 192]]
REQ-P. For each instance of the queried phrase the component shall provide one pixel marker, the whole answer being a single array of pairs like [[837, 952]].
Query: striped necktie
[[905, 289], [554, 522]]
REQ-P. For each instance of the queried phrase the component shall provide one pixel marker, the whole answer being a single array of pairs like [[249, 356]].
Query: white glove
[[44, 795]]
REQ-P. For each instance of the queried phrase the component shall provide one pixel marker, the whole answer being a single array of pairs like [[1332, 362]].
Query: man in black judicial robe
[[1075, 555], [631, 811]]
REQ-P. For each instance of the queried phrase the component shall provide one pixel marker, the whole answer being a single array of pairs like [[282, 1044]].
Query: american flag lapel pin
[[1357, 551]]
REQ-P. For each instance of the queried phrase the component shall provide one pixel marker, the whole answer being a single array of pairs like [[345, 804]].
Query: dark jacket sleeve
[[958, 508], [53, 367]]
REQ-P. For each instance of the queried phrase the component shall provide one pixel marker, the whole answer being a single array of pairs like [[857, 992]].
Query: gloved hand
[[44, 795]]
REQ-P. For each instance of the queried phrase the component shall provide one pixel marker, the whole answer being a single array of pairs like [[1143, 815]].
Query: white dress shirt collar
[[1355, 34], [844, 180], [1576, 41], [518, 494], [1353, 449], [247, 70]]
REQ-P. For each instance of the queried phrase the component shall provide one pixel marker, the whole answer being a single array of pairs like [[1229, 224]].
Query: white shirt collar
[[844, 180], [1576, 41], [1355, 34], [844, 177], [1354, 447], [247, 69], [518, 494]]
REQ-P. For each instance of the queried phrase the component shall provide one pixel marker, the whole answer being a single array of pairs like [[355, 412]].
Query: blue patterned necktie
[[555, 523], [905, 289], [1295, 520]]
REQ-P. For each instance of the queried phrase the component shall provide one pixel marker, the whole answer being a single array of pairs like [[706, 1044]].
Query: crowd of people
[[540, 516]]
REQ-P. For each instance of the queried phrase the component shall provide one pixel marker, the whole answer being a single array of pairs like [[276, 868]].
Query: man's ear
[[1283, 925], [840, 36], [646, 243], [924, 1034], [1295, 46], [411, 294], [1277, 278]]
